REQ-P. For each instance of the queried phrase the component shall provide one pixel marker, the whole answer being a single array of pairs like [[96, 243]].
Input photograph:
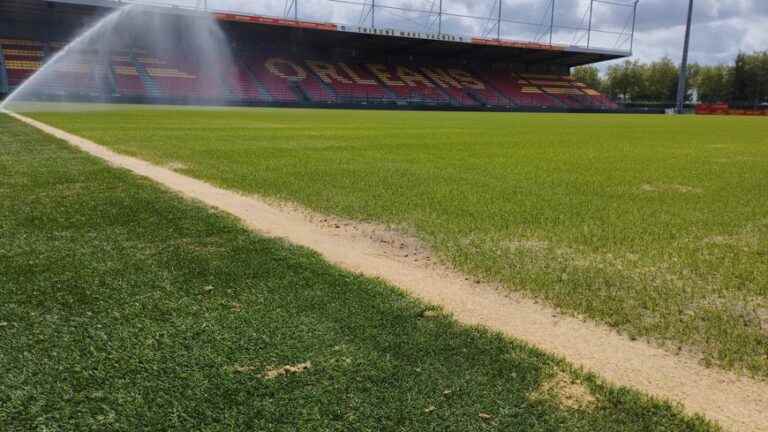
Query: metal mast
[[440, 18], [498, 29], [292, 5], [589, 30], [681, 83], [552, 23]]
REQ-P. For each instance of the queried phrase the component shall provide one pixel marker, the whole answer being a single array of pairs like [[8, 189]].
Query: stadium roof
[[399, 42], [402, 42]]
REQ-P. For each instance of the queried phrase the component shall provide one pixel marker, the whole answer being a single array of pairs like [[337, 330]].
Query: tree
[[760, 65], [741, 78], [625, 81], [660, 78], [589, 75], [750, 78], [744, 82], [713, 83]]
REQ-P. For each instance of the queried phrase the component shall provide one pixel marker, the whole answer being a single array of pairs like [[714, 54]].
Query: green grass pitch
[[657, 226], [125, 307]]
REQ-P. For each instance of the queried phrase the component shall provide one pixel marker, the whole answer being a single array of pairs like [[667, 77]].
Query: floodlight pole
[[373, 13], [681, 83], [589, 30], [552, 23]]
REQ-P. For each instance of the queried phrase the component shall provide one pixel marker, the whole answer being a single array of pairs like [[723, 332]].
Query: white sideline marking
[[737, 403]]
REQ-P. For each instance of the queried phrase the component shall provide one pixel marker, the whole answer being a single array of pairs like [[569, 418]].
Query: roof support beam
[[440, 18], [589, 29], [552, 23], [498, 24]]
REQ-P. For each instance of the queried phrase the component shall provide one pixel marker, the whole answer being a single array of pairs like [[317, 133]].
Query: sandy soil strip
[[737, 403]]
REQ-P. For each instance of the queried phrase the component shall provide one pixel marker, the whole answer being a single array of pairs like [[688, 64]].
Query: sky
[[722, 28]]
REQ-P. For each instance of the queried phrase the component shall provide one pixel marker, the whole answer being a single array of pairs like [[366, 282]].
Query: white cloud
[[722, 27]]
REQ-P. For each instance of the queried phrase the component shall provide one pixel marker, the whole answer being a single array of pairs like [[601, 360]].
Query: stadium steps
[[465, 95], [586, 101], [262, 89], [4, 87], [477, 98], [226, 86], [450, 98], [577, 98], [20, 66], [572, 101], [102, 75], [299, 92], [391, 93], [557, 102], [501, 97], [149, 83], [499, 100], [600, 101], [568, 94], [573, 93], [581, 99], [328, 88]]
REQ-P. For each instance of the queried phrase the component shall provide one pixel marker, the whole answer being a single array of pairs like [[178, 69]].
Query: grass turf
[[654, 225], [125, 307]]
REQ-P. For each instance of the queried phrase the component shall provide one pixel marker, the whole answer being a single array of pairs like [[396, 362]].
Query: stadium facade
[[290, 62]]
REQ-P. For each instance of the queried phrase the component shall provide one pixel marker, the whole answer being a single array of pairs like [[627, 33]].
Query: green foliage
[[589, 75], [745, 81], [714, 83], [633, 81], [654, 225], [750, 78], [125, 308], [625, 81], [661, 79]]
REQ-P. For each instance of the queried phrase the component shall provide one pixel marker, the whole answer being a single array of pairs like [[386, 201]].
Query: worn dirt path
[[737, 403]]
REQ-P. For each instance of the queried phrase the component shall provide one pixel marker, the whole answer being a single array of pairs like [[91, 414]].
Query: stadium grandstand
[[291, 61]]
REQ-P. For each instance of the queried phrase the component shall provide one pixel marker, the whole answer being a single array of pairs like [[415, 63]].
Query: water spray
[[155, 34]]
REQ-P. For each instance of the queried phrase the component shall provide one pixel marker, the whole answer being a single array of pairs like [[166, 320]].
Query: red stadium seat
[[279, 76]]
